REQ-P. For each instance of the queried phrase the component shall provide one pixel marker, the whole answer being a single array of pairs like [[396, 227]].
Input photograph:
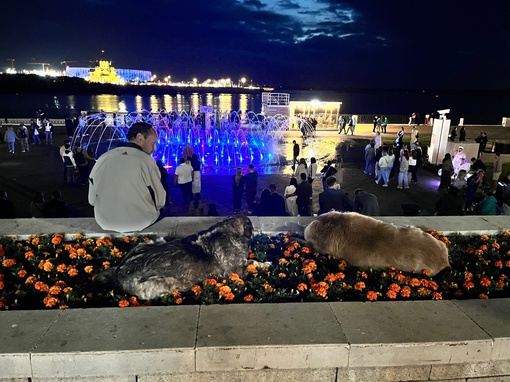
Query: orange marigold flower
[[224, 290], [251, 268], [371, 295], [30, 280], [426, 272], [176, 293], [229, 296], [395, 287], [1, 276], [234, 276], [496, 245], [178, 301], [296, 256], [305, 250], [423, 291], [286, 253], [405, 291], [470, 251], [197, 289], [506, 233], [22, 273], [81, 252], [78, 236], [248, 298], [1, 285], [437, 296], [309, 266], [468, 285], [35, 241], [251, 255], [56, 239], [445, 240], [134, 301], [498, 264], [40, 286], [48, 266], [302, 287], [8, 263], [479, 252], [330, 278], [483, 296], [123, 303], [415, 282], [321, 288], [268, 288], [88, 269], [115, 252], [342, 265], [484, 281], [106, 265], [484, 237], [507, 263], [282, 275], [73, 272], [283, 261], [55, 290], [29, 255], [359, 285], [210, 281], [400, 277], [61, 268], [67, 289], [126, 239], [339, 276], [500, 284], [468, 276], [483, 247], [364, 275], [391, 294], [433, 285], [50, 301]]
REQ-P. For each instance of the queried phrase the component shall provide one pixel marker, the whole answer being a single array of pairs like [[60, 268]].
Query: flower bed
[[48, 272]]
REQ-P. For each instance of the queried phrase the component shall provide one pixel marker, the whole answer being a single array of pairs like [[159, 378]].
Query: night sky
[[283, 43]]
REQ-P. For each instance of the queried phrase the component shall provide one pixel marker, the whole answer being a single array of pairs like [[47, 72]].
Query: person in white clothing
[[184, 178], [125, 183]]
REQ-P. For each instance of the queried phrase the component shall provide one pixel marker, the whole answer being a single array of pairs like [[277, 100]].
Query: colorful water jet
[[221, 141]]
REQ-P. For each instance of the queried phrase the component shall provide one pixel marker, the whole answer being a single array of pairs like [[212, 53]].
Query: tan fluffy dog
[[369, 243]]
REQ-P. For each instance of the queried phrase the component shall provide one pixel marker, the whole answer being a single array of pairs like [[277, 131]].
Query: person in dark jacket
[[450, 204], [334, 198], [304, 193], [365, 203]]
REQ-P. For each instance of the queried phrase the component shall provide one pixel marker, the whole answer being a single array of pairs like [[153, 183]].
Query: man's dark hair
[[139, 127], [303, 176], [357, 191], [331, 181], [272, 187]]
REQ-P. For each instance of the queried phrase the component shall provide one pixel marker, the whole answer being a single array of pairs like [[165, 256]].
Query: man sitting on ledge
[[125, 185]]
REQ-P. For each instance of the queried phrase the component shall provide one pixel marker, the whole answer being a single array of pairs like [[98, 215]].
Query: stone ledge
[[350, 337], [182, 225]]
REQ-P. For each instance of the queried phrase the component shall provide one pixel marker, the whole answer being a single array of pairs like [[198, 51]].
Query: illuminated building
[[105, 73]]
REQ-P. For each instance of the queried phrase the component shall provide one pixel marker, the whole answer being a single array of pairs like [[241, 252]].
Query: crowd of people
[[398, 163]]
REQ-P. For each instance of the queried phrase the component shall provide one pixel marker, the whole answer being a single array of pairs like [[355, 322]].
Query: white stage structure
[[439, 139]]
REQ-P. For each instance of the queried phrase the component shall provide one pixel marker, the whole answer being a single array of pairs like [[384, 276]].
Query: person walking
[[10, 138], [403, 181], [23, 137], [290, 197], [183, 176], [295, 153], [304, 195], [196, 184]]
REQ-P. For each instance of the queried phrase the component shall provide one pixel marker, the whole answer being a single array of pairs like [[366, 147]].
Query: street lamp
[[243, 81]]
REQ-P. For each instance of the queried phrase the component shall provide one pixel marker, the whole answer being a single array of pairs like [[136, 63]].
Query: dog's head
[[238, 224]]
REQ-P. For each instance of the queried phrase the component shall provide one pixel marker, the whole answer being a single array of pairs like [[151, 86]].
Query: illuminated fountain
[[224, 141]]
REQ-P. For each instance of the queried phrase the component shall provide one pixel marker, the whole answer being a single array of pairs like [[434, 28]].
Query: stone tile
[[401, 333], [383, 374], [20, 332], [114, 341], [493, 316], [271, 375], [130, 378], [286, 336], [470, 370]]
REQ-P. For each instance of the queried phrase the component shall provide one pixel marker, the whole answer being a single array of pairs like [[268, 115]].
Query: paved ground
[[21, 174]]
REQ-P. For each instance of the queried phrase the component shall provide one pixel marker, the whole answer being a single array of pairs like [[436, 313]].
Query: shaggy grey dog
[[365, 242], [150, 270]]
